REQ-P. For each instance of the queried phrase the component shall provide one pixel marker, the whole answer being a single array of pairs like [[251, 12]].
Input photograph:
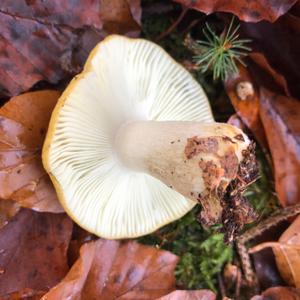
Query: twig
[[266, 224], [173, 26], [238, 285], [246, 263], [193, 24]]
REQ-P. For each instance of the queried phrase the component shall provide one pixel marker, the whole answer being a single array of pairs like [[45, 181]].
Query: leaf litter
[[269, 103]]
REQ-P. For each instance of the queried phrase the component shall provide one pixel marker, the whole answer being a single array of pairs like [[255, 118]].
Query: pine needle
[[220, 53]]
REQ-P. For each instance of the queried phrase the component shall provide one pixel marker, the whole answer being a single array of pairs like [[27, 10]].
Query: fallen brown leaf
[[33, 249], [264, 262], [25, 294], [249, 11], [279, 293], [287, 253], [245, 100], [23, 125], [280, 116], [49, 40], [115, 270], [8, 209], [120, 16], [190, 295], [244, 96]]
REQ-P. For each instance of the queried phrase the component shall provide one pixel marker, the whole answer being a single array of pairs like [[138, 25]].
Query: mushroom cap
[[123, 80]]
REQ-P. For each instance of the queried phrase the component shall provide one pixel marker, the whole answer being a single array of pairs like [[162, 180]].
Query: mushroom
[[132, 144]]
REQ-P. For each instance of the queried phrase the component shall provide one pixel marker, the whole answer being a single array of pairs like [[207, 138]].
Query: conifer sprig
[[220, 53]]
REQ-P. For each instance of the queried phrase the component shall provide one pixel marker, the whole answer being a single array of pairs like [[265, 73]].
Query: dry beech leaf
[[109, 269], [49, 40], [33, 251], [243, 90], [120, 16], [287, 253], [244, 97], [8, 209], [23, 125], [190, 295], [25, 294], [264, 262], [280, 116], [249, 11], [279, 293]]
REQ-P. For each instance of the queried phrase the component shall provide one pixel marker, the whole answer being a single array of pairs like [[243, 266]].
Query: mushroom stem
[[198, 160]]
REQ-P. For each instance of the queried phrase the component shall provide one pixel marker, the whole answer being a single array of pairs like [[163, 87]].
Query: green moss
[[202, 252]]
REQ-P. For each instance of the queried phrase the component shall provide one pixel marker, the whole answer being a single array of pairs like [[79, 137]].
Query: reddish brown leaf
[[287, 253], [280, 116], [48, 40], [244, 97], [279, 293], [114, 270], [25, 294], [190, 295], [264, 261], [249, 11], [258, 73], [23, 125], [8, 209], [117, 15], [33, 251]]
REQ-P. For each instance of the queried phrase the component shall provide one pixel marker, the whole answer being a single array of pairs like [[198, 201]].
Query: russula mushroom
[[132, 144]]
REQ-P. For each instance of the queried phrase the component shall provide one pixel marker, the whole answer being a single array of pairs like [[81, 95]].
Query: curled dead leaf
[[287, 253], [23, 125], [33, 248], [108, 269], [249, 11], [243, 90], [190, 295], [246, 106], [49, 40], [280, 116]]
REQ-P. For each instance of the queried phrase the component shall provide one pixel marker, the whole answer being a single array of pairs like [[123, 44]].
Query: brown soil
[[237, 211], [195, 145]]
